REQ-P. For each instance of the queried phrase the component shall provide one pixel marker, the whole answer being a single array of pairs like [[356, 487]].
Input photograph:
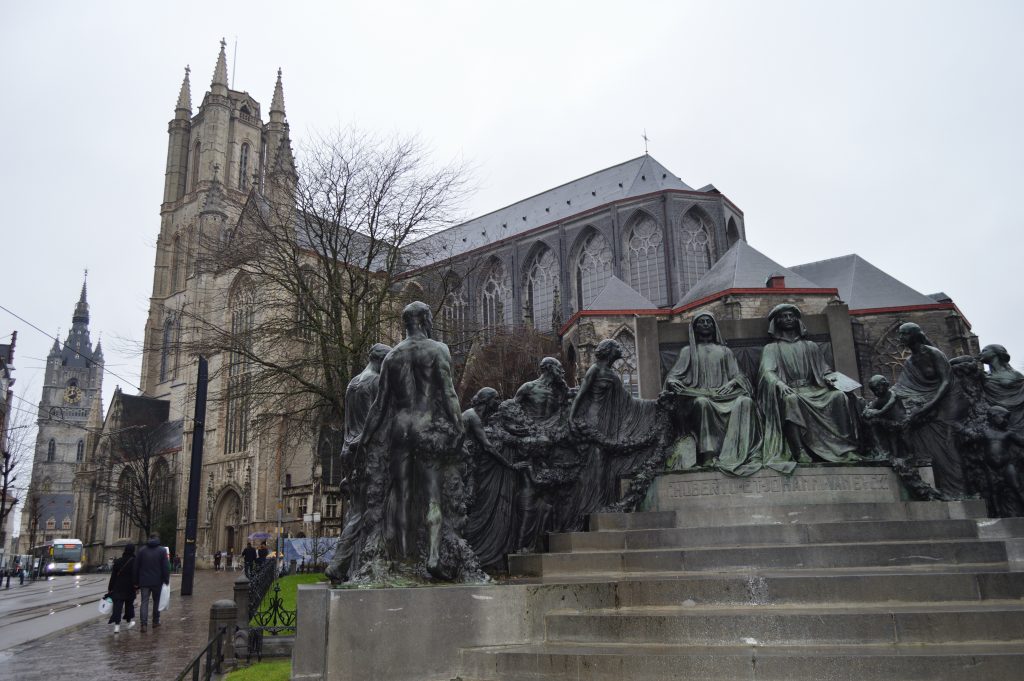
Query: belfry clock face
[[72, 394]]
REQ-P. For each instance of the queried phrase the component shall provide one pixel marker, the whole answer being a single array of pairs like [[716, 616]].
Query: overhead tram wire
[[101, 366], [54, 338]]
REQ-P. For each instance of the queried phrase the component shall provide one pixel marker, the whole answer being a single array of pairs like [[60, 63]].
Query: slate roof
[[618, 295], [861, 285], [743, 266], [635, 177], [143, 411]]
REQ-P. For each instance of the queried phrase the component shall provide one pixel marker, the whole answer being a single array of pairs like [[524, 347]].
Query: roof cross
[[646, 140]]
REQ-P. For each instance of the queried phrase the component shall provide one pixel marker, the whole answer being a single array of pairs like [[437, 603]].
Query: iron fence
[[209, 661]]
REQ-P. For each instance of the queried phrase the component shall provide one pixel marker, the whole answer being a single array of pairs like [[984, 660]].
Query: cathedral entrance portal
[[226, 522]]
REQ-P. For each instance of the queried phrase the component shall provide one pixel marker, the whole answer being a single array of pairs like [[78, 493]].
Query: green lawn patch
[[290, 588], [271, 670]]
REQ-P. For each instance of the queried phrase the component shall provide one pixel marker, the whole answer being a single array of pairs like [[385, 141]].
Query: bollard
[[222, 614], [242, 601]]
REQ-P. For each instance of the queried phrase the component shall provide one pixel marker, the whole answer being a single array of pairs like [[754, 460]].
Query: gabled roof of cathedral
[[618, 295], [635, 177], [743, 266], [137, 410], [861, 285]]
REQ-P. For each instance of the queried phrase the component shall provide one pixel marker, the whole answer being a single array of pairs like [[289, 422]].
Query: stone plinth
[[699, 491], [416, 634]]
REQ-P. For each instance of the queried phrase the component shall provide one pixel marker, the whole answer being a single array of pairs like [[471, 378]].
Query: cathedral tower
[[215, 158], [73, 382]]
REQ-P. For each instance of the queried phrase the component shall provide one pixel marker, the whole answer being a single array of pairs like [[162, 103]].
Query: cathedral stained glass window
[[541, 282], [593, 267], [496, 299], [695, 250], [242, 309], [645, 259]]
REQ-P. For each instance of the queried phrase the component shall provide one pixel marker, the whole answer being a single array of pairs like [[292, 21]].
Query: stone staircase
[[901, 591]]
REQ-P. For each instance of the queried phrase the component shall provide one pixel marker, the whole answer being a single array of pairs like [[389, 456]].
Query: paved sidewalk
[[94, 652]]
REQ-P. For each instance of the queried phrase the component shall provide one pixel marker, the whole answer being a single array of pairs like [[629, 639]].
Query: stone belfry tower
[[216, 159], [72, 382]]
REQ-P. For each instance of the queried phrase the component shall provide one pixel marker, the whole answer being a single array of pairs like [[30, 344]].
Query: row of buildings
[[630, 252]]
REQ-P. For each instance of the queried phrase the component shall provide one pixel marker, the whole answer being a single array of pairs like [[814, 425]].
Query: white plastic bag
[[165, 597], [106, 605]]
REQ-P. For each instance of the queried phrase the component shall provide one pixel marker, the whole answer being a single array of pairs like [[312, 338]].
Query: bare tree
[[317, 262], [34, 509], [131, 478], [18, 445], [505, 360]]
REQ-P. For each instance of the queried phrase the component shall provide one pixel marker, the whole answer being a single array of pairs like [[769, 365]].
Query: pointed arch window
[[51, 450], [166, 348], [495, 299], [176, 260], [307, 304], [162, 489], [592, 268], [243, 167], [695, 250], [455, 314], [541, 283], [242, 310], [125, 492], [80, 451], [626, 367], [195, 166], [645, 259]]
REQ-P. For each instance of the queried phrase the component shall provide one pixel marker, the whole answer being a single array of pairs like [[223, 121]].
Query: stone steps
[[618, 662], [769, 514], [754, 535], [717, 559], [863, 624], [789, 589], [893, 591]]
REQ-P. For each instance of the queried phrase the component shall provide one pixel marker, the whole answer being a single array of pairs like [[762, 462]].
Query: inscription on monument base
[[806, 486]]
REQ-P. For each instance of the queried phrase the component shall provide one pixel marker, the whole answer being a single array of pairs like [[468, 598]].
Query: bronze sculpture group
[[439, 493]]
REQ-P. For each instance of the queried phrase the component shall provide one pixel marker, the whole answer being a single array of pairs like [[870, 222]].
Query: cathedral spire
[[184, 98], [219, 86], [277, 104], [81, 315]]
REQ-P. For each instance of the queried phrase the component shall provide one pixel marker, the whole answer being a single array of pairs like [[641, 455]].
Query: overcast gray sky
[[889, 129]]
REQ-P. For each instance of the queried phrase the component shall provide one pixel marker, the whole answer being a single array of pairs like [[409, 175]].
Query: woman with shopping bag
[[121, 589]]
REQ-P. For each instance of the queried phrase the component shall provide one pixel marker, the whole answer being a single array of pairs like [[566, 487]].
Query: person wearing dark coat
[[121, 589], [249, 558], [152, 574]]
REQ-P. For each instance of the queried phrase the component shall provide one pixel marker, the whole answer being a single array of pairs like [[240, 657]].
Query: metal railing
[[260, 582], [212, 654], [273, 619]]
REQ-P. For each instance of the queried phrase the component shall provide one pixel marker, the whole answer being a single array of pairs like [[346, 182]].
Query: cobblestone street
[[95, 652]]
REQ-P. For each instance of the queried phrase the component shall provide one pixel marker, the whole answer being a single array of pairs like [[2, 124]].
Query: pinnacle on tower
[[220, 72], [277, 104], [185, 95]]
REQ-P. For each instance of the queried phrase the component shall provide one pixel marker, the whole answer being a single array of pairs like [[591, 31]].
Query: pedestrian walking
[[230, 558], [261, 555], [216, 560], [248, 558], [121, 588], [151, 575], [21, 573]]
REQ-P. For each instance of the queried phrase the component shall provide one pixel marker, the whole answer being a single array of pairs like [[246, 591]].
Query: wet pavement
[[93, 651]]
